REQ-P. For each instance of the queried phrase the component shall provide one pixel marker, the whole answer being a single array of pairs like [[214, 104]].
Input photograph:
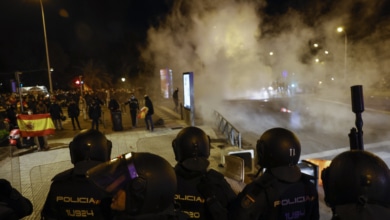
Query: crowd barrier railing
[[232, 134]]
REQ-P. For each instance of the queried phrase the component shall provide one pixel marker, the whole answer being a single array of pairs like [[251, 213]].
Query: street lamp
[[47, 48], [81, 84], [341, 29]]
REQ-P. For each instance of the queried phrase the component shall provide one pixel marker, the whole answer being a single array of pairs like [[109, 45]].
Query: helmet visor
[[113, 175]]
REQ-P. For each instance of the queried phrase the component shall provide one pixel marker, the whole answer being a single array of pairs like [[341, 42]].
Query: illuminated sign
[[166, 82], [188, 84]]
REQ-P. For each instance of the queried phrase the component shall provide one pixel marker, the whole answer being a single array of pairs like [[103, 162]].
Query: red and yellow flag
[[35, 125]]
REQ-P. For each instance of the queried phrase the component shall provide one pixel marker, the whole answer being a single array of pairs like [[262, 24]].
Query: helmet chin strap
[[259, 171]]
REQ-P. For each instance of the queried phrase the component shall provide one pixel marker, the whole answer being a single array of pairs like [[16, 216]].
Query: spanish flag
[[35, 125]]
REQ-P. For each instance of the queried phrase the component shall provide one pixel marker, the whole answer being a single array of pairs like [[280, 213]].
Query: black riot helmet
[[148, 179], [90, 144], [356, 177], [279, 150], [192, 148]]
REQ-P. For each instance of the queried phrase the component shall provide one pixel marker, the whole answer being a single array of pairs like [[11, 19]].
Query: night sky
[[112, 32], [107, 32]]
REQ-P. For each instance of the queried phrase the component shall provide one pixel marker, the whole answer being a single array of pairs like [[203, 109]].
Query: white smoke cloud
[[226, 44]]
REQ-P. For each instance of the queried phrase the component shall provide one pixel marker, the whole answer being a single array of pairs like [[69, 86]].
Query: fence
[[232, 134]]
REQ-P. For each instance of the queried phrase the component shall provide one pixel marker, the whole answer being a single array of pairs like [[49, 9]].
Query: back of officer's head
[[90, 144], [148, 179], [278, 149], [192, 148], [356, 177]]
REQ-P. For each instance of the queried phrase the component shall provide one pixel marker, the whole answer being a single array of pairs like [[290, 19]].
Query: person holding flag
[[35, 125]]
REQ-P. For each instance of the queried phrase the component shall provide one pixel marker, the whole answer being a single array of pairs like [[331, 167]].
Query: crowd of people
[[72, 104]]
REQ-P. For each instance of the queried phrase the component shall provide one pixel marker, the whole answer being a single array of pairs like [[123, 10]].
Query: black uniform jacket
[[72, 196], [270, 198], [203, 195]]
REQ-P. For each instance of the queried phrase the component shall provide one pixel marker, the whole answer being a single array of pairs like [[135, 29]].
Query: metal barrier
[[232, 135]]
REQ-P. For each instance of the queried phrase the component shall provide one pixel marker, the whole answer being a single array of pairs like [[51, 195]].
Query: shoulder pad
[[265, 180], [307, 178], [65, 175], [215, 175]]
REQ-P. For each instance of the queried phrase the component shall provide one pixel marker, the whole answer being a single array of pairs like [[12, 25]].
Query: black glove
[[5, 187], [214, 206]]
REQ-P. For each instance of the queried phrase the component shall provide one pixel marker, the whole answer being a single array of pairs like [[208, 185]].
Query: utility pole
[[81, 84], [19, 89], [46, 48]]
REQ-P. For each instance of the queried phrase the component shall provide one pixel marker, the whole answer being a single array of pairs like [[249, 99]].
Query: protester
[[357, 186], [71, 195], [143, 185], [175, 97], [149, 113], [83, 106], [113, 105], [36, 139], [134, 108], [268, 196], [41, 108], [94, 112], [11, 115], [73, 113], [210, 191], [56, 113]]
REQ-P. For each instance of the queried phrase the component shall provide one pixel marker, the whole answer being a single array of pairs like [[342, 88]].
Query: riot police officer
[[357, 186], [202, 193], [13, 205], [71, 195], [282, 191], [143, 185]]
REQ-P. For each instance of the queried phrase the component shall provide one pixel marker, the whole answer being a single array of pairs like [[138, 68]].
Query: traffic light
[[79, 82]]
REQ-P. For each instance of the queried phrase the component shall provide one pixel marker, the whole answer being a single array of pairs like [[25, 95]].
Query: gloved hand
[[205, 189], [214, 206], [5, 188]]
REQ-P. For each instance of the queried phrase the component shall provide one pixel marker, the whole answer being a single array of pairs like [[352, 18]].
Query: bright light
[[340, 29], [286, 110], [271, 53], [77, 82], [123, 79], [315, 45], [326, 52]]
